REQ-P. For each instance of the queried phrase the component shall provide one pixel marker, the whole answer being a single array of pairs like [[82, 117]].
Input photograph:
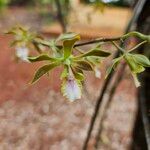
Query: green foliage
[[41, 57], [43, 70], [68, 43], [3, 3], [25, 40], [133, 64], [95, 52], [23, 37], [83, 65], [75, 63]]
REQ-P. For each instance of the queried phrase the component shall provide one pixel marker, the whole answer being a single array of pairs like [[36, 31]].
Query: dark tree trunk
[[141, 134]]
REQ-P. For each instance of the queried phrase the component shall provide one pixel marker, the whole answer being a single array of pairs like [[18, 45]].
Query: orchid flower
[[61, 52], [74, 65], [71, 88]]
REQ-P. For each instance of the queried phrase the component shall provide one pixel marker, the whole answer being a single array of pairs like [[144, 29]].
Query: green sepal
[[83, 65], [15, 30], [43, 70], [17, 42], [79, 76], [11, 32], [42, 57], [38, 47], [68, 36], [95, 52], [68, 44], [69, 40], [94, 59]]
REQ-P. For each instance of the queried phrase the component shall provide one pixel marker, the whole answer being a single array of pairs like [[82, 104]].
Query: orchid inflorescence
[[63, 52]]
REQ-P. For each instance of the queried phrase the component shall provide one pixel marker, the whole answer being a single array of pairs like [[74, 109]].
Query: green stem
[[79, 50], [136, 46], [137, 34], [118, 47], [98, 41], [130, 34]]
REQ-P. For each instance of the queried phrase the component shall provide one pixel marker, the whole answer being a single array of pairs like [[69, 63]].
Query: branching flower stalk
[[64, 52]]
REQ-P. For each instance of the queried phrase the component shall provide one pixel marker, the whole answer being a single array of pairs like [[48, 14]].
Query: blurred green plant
[[64, 52], [3, 4], [24, 42]]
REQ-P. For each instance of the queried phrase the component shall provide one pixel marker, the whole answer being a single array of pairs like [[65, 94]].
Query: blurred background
[[37, 117]]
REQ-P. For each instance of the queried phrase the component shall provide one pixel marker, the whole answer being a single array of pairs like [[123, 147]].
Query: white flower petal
[[22, 53], [71, 87]]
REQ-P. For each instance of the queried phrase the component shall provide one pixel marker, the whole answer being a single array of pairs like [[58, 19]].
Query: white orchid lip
[[72, 89], [22, 52]]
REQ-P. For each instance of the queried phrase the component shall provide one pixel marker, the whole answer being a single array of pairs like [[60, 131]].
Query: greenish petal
[[43, 70], [83, 65], [95, 52], [133, 65], [42, 57]]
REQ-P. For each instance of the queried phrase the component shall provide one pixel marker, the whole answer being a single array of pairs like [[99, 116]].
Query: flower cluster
[[73, 64], [63, 52], [23, 42]]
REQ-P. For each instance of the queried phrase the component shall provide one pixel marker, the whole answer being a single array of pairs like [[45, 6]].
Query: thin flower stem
[[46, 43], [98, 40], [138, 35], [137, 46], [79, 50], [121, 38], [118, 47]]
